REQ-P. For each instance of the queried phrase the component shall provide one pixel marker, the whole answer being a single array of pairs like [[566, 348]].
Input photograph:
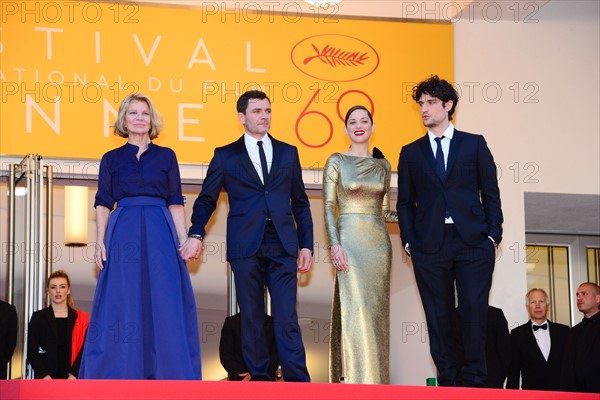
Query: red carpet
[[188, 390]]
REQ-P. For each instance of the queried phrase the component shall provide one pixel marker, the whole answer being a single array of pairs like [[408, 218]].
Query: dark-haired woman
[[356, 186]]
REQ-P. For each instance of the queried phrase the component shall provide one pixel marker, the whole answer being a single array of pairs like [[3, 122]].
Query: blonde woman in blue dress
[[356, 186], [144, 322]]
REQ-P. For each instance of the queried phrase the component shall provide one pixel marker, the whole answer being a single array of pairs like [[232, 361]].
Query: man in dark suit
[[230, 349], [269, 234], [497, 347], [450, 222], [538, 347], [8, 335], [581, 372]]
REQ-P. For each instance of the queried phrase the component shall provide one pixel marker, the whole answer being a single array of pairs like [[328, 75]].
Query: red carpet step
[[192, 390]]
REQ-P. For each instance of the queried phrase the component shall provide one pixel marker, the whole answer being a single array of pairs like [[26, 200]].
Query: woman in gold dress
[[356, 187]]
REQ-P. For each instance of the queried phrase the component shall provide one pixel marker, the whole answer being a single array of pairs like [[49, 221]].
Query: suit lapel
[[245, 160], [276, 157], [455, 144], [553, 341], [72, 318], [533, 344], [51, 321]]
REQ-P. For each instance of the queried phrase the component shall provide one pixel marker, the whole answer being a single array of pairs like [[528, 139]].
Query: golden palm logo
[[335, 58]]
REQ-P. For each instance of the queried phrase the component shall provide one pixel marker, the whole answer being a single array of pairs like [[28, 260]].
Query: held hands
[[304, 260], [246, 376], [100, 254], [191, 249], [339, 258]]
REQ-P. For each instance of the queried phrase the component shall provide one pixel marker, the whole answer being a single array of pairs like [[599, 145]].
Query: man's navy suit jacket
[[283, 198], [468, 191]]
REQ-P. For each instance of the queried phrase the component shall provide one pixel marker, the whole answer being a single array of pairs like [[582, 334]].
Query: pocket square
[[41, 351]]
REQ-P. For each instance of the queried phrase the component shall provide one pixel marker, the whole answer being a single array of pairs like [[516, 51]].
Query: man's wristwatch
[[196, 236]]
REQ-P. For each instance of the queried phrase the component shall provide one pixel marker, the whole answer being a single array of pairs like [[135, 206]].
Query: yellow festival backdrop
[[66, 66]]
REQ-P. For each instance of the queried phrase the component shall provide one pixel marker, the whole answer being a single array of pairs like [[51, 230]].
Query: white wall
[[558, 135], [558, 58]]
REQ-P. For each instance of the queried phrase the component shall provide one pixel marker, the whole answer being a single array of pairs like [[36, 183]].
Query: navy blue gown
[[143, 323]]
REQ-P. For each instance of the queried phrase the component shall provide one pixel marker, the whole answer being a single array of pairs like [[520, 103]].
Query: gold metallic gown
[[358, 189]]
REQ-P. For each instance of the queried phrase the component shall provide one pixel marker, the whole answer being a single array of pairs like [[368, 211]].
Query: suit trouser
[[471, 267], [274, 267]]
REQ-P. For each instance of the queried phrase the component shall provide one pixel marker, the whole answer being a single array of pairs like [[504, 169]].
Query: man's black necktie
[[542, 326], [439, 156], [263, 161]]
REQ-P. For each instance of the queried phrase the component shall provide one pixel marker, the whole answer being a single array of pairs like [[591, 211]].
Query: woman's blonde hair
[[62, 274], [155, 125]]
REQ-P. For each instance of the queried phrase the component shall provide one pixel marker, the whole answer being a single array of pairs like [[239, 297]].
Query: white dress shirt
[[542, 337], [448, 133], [252, 149]]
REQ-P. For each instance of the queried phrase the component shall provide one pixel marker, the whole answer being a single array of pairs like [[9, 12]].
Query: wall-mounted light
[[323, 3], [76, 216]]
